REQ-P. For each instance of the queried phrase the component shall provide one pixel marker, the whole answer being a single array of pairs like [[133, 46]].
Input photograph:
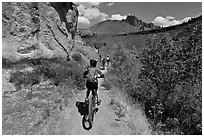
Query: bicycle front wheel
[[90, 111]]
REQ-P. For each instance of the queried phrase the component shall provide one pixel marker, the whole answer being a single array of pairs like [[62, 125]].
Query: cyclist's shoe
[[98, 102], [86, 100], [96, 110]]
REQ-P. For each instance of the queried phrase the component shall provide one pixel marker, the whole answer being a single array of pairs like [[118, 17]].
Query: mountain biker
[[108, 60], [100, 57], [103, 63], [92, 73]]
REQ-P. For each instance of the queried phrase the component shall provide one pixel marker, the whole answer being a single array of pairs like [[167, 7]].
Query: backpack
[[91, 76]]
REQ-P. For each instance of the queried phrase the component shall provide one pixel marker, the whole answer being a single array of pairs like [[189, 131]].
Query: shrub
[[77, 57], [25, 78], [57, 70], [174, 72], [169, 82], [6, 63]]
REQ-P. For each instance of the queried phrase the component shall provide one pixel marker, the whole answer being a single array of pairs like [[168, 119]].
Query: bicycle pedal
[[96, 110], [98, 102], [86, 100]]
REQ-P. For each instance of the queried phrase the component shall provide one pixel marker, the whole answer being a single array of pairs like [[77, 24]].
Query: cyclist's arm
[[85, 73], [101, 74]]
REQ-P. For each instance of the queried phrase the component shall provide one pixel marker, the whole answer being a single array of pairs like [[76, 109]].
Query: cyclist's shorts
[[92, 85]]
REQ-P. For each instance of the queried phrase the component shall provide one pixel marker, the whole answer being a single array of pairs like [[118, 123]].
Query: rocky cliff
[[37, 30], [134, 21]]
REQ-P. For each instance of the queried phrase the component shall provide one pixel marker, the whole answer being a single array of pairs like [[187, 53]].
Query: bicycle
[[89, 117]]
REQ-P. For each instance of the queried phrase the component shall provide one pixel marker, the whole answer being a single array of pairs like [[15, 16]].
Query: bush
[[172, 72], [6, 63], [24, 78], [57, 70], [169, 82], [77, 57]]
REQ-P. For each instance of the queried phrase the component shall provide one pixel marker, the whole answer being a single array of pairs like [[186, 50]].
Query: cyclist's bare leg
[[96, 95], [87, 93]]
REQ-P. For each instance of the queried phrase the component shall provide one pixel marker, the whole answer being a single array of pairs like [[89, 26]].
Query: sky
[[160, 13]]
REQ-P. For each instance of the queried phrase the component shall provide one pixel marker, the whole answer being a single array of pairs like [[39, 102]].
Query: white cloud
[[83, 20], [95, 3], [117, 17], [170, 17], [89, 4], [110, 4], [168, 21], [103, 16], [91, 13]]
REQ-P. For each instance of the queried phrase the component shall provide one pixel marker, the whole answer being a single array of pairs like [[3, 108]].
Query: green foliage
[[173, 70], [167, 80], [24, 78], [6, 63], [106, 84], [57, 70], [118, 58]]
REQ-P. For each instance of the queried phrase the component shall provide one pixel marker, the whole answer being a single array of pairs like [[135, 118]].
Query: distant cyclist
[[100, 57], [103, 63], [92, 73], [108, 60]]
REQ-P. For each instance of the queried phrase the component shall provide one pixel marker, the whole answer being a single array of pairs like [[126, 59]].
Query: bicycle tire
[[84, 120], [90, 112]]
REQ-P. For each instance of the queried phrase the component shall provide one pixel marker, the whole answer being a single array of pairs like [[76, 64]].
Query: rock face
[[134, 21], [37, 30]]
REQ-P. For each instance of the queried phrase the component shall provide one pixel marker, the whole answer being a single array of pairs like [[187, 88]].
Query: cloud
[[89, 4], [83, 20], [117, 17], [168, 21], [95, 3], [110, 4], [91, 13], [170, 17]]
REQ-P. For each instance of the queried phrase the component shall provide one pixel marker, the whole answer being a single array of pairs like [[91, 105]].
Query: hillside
[[134, 21], [112, 27], [153, 84], [160, 69], [138, 40]]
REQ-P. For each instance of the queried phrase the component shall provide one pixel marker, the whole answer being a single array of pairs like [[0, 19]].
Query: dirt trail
[[109, 120], [105, 121]]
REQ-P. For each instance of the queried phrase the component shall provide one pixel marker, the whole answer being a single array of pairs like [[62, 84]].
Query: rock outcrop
[[134, 21], [37, 30]]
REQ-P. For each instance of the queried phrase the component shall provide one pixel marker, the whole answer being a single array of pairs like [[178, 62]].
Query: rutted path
[[105, 121]]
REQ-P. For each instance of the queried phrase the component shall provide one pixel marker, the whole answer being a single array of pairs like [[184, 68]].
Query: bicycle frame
[[90, 116], [92, 104]]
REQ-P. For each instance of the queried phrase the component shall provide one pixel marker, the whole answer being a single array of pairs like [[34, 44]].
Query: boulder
[[37, 29]]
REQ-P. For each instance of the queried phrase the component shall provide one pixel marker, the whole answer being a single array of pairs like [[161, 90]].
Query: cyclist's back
[[92, 73]]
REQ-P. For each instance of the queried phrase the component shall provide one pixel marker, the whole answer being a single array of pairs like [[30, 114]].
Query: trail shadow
[[82, 108]]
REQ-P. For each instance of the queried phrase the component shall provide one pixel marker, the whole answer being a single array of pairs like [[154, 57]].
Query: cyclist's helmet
[[93, 62]]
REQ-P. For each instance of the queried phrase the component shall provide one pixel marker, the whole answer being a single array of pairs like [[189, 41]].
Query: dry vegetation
[[161, 70]]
